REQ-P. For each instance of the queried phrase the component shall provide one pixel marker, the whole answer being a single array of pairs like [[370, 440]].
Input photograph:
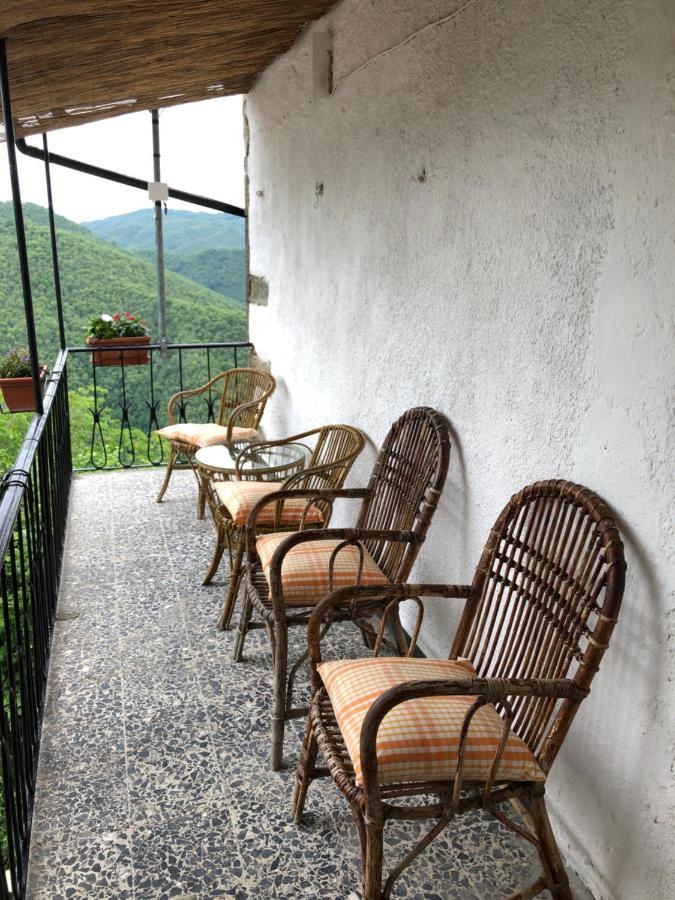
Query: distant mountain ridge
[[207, 248], [32, 212], [184, 231]]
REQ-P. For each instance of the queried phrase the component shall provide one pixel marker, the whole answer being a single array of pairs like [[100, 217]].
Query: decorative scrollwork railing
[[128, 400]]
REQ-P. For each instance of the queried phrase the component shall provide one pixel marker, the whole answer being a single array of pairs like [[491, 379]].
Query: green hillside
[[223, 271], [97, 277], [207, 248]]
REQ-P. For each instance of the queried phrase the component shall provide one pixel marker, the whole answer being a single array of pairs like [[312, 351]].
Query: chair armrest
[[308, 494], [237, 412], [248, 451], [320, 474], [192, 392], [364, 595], [486, 690], [264, 445], [310, 470], [174, 399], [346, 535]]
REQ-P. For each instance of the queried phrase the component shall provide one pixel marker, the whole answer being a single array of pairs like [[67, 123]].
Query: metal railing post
[[20, 227], [159, 237], [55, 252]]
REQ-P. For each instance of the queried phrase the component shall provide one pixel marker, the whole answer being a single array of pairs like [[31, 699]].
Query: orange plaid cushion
[[241, 496], [304, 571], [204, 435], [419, 739]]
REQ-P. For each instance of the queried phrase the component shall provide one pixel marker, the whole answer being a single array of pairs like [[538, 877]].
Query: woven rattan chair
[[335, 449], [537, 620], [396, 510], [243, 395]]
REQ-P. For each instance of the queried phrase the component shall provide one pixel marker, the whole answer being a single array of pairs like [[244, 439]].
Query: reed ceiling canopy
[[75, 61]]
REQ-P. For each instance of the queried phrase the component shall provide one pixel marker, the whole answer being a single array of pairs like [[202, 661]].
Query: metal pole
[[20, 228], [159, 238], [56, 159], [55, 252]]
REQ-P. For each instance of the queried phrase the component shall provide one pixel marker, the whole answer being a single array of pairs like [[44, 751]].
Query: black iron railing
[[127, 402], [124, 404], [33, 509]]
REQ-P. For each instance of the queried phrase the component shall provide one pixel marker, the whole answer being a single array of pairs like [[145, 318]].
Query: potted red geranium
[[16, 380], [114, 334]]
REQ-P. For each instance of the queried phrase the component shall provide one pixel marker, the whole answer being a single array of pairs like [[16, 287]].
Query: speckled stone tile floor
[[153, 779]]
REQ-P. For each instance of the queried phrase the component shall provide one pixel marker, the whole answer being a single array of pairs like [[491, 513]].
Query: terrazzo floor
[[153, 779]]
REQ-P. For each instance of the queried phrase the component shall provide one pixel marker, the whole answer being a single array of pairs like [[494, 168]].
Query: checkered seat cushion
[[204, 435], [239, 498], [419, 739], [305, 569]]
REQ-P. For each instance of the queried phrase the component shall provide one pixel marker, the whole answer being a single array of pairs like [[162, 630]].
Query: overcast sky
[[202, 149]]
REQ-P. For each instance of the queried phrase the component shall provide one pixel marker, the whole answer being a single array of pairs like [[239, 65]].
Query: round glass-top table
[[266, 462]]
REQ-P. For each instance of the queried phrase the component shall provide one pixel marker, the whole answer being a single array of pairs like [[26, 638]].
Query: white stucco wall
[[495, 238]]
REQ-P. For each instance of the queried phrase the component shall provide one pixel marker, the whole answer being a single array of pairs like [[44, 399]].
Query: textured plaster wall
[[495, 237]]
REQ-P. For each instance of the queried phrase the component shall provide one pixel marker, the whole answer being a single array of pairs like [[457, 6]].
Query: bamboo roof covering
[[75, 61]]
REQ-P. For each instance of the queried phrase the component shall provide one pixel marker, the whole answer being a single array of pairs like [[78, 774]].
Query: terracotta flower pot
[[111, 353], [18, 392]]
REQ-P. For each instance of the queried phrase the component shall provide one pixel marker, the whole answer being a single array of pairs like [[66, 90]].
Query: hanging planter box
[[110, 352], [18, 393]]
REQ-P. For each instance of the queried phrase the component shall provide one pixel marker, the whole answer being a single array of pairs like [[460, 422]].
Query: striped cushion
[[304, 572], [204, 435], [241, 496], [418, 740]]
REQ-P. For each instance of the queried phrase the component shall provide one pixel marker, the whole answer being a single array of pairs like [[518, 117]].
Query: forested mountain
[[223, 271], [98, 277], [205, 247]]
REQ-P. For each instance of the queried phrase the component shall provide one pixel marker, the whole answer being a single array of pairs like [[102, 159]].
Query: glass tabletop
[[279, 458]]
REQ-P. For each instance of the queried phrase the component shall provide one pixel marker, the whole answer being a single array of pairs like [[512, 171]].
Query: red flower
[[116, 317]]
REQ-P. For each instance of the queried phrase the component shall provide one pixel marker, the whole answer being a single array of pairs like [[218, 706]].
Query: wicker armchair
[[288, 575], [243, 395], [335, 449], [486, 725]]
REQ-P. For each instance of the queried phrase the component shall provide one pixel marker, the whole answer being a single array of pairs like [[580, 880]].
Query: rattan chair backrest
[[547, 590]]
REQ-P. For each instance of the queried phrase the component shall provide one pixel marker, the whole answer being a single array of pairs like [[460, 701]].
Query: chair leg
[[242, 628], [303, 775], [279, 705], [554, 869], [233, 588], [221, 543], [272, 640], [372, 862], [357, 816], [167, 476], [201, 499]]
